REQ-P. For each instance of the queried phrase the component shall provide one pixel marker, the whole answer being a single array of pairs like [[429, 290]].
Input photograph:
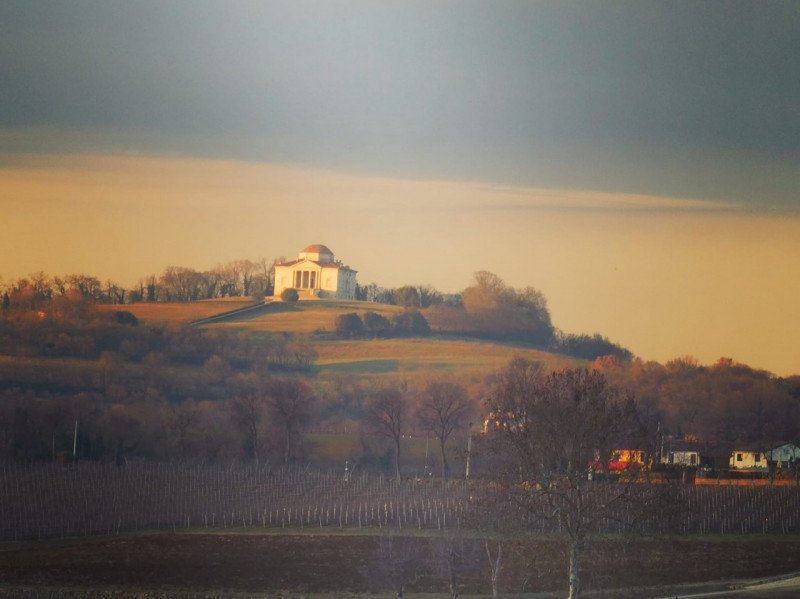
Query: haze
[[636, 161]]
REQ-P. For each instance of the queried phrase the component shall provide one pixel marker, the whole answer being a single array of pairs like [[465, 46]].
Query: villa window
[[738, 457]]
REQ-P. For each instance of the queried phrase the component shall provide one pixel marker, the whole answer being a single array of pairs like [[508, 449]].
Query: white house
[[783, 454], [778, 454], [748, 457], [316, 274], [678, 452]]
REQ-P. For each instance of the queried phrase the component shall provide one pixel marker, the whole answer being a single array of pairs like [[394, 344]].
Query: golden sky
[[663, 276]]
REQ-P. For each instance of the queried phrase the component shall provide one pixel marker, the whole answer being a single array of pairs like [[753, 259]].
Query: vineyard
[[50, 500]]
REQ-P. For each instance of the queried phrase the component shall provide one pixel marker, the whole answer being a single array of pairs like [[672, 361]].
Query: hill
[[405, 357], [399, 357], [178, 312]]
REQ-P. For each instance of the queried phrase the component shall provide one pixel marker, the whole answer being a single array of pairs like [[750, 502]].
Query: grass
[[405, 358], [179, 313], [308, 316], [422, 356]]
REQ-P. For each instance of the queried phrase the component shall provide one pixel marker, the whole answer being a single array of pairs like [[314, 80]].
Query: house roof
[[317, 248], [753, 446], [320, 264], [682, 445]]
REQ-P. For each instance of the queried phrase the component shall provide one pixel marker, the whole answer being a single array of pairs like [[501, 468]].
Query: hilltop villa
[[316, 273]]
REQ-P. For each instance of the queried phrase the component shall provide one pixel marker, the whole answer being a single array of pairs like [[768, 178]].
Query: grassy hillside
[[401, 357], [309, 316], [179, 313], [420, 356]]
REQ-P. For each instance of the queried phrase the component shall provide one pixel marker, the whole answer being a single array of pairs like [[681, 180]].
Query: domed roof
[[317, 248]]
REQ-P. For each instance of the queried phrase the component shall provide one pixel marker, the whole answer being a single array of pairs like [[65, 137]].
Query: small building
[[316, 274], [680, 452], [748, 457], [782, 455], [762, 457]]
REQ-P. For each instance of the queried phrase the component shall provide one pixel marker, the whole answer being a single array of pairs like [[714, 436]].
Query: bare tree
[[494, 563], [290, 402], [455, 558], [387, 415], [396, 563], [246, 414], [548, 429], [444, 408], [247, 270]]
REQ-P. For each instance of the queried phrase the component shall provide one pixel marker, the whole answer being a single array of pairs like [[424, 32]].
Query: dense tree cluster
[[491, 309], [407, 296], [726, 401], [409, 323], [588, 347]]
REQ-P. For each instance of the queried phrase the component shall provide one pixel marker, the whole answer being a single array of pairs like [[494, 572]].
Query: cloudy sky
[[636, 161]]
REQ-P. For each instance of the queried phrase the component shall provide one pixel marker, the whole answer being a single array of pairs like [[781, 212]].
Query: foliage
[[410, 323], [588, 347], [290, 296], [349, 326], [490, 308], [376, 325], [725, 402]]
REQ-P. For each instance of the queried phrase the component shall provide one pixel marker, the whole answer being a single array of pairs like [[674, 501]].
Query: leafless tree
[[290, 402], [456, 557], [548, 429], [247, 412], [444, 408], [494, 562], [396, 563], [387, 414]]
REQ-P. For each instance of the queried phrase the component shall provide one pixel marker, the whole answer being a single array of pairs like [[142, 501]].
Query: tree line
[[488, 308], [70, 353], [237, 278]]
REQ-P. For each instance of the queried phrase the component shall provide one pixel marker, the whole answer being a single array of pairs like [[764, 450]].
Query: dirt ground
[[305, 563]]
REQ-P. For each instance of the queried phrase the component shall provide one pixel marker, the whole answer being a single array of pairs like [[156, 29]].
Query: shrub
[[290, 296], [410, 324], [349, 326], [376, 325]]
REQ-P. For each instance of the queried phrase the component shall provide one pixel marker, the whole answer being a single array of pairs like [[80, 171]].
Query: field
[[51, 500], [393, 357], [308, 316], [401, 356], [179, 564], [191, 529], [179, 313], [467, 358]]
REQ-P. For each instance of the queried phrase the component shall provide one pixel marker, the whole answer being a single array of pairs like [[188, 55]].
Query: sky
[[635, 161]]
